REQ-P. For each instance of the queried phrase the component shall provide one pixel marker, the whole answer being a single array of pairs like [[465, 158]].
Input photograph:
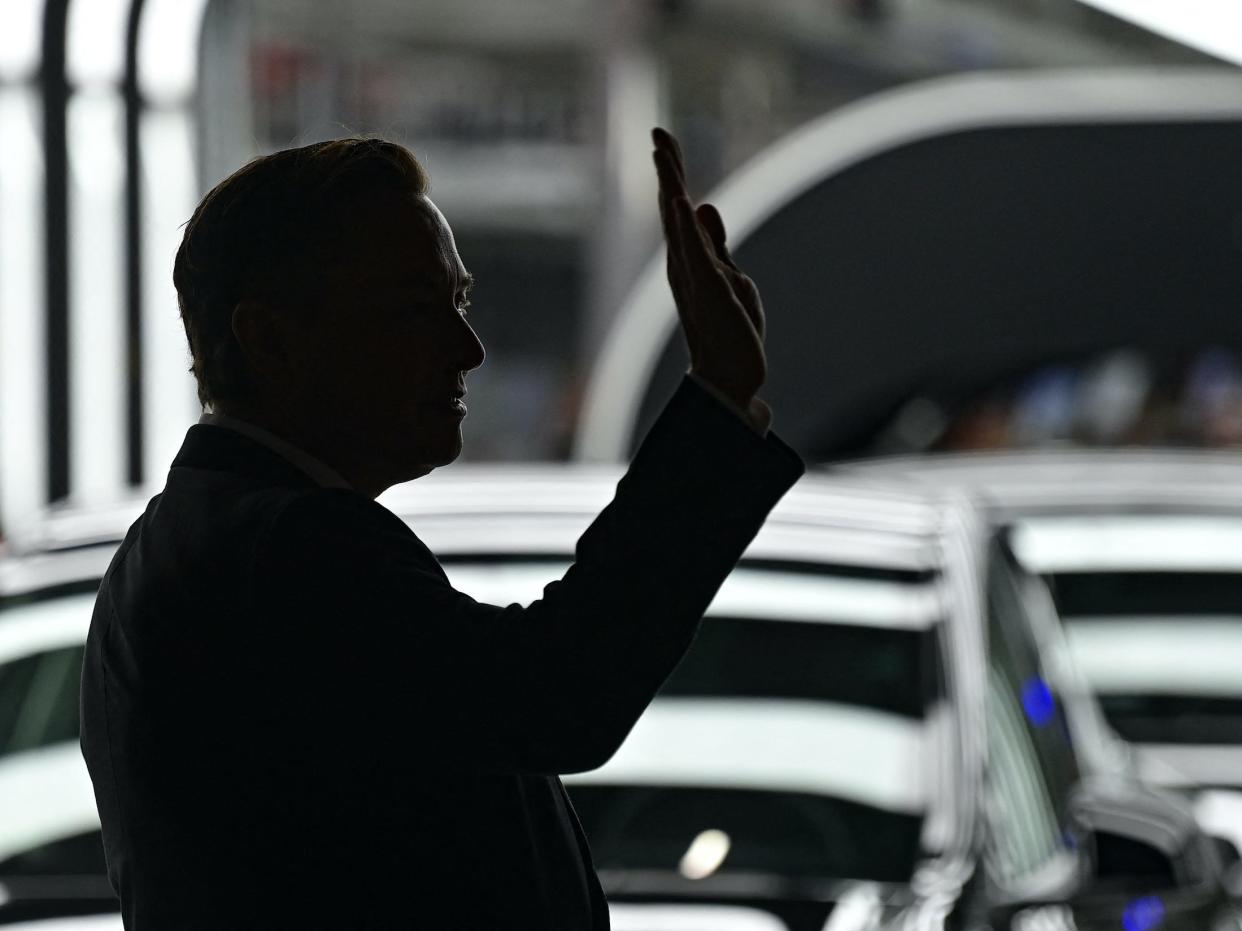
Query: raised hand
[[719, 306]]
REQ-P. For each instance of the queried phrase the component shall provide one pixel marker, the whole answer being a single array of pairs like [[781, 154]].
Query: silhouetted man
[[291, 719]]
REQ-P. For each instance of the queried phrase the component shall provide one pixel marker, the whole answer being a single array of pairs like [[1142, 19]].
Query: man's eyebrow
[[424, 283]]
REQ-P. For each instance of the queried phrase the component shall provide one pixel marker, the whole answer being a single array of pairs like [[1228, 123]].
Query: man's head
[[322, 297]]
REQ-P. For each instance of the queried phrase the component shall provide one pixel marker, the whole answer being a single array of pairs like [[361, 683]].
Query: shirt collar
[[317, 469]]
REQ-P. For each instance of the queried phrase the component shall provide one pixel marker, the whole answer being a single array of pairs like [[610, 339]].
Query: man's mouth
[[448, 402]]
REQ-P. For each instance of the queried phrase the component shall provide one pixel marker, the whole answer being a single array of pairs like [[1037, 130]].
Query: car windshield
[[795, 740], [1152, 610]]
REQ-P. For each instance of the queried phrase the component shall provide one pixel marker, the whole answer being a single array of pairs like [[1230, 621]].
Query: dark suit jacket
[[293, 721]]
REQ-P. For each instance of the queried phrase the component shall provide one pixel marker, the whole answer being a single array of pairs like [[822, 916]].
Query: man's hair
[[276, 229]]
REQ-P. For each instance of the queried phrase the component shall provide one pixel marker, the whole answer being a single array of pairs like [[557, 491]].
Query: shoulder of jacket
[[339, 517], [316, 507]]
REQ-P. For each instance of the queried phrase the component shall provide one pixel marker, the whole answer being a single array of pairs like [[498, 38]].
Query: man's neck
[[316, 468], [309, 443]]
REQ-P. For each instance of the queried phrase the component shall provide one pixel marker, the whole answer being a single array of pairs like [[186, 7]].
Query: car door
[[1032, 852], [1069, 847], [51, 853]]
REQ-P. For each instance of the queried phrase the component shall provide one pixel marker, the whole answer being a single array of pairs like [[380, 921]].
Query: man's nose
[[472, 351]]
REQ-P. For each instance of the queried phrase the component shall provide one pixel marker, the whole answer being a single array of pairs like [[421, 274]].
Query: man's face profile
[[379, 369]]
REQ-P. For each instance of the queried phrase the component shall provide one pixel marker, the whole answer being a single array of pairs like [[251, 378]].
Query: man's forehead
[[418, 252]]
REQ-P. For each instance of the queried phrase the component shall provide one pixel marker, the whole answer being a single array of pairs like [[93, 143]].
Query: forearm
[[608, 634]]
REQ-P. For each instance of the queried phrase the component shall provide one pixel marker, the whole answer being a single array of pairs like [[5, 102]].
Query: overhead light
[[1210, 26], [706, 853]]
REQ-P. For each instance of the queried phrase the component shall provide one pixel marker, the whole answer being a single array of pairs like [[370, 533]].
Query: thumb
[[711, 221]]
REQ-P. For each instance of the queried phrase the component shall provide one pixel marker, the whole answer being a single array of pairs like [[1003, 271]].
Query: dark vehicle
[[877, 727]]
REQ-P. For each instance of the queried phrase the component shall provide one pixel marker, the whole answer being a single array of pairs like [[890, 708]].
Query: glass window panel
[[1032, 766]]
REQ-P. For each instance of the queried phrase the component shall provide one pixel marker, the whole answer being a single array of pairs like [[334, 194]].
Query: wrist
[[760, 416], [754, 412]]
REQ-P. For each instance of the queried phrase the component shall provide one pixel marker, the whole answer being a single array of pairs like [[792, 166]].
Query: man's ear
[[263, 334]]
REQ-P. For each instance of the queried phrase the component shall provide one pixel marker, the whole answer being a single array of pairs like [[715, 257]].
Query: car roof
[[1071, 481], [541, 510], [853, 521]]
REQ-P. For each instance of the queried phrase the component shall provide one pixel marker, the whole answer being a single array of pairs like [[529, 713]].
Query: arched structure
[[616, 407]]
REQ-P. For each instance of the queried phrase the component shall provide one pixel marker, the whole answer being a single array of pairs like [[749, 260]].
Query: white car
[[877, 708], [1143, 553]]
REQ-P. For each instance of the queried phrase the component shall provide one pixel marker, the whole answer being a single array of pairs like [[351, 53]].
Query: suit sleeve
[[553, 687]]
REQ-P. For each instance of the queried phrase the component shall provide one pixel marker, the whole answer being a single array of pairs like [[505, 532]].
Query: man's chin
[[428, 460]]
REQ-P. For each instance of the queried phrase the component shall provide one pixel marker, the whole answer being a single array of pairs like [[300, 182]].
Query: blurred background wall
[[531, 115]]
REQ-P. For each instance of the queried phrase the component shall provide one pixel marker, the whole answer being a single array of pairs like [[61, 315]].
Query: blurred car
[[878, 726], [1143, 553]]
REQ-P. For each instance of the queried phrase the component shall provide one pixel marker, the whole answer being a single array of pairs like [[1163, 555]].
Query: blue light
[[1037, 701], [1143, 914]]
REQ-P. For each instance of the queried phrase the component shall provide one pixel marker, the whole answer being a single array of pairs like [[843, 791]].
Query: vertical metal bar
[[56, 243], [134, 432], [631, 97]]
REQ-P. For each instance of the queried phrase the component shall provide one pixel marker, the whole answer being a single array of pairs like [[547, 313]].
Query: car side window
[[39, 699], [1032, 766]]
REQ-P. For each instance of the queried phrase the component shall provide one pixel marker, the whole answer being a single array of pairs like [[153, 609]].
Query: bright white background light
[[1212, 26], [95, 49], [168, 57], [753, 593], [23, 407], [782, 745], [1175, 655], [21, 36], [169, 192], [97, 370]]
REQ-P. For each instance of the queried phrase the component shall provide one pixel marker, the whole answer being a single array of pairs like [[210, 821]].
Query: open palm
[[719, 306]]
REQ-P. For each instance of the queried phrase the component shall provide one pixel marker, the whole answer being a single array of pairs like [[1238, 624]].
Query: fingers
[[711, 221], [720, 310], [705, 274], [669, 219], [672, 176], [671, 189], [679, 262], [743, 287], [698, 259], [667, 142], [670, 184], [691, 249]]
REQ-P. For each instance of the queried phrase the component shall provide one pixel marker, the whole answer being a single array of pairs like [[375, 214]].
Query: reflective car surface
[[876, 727], [1143, 552]]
